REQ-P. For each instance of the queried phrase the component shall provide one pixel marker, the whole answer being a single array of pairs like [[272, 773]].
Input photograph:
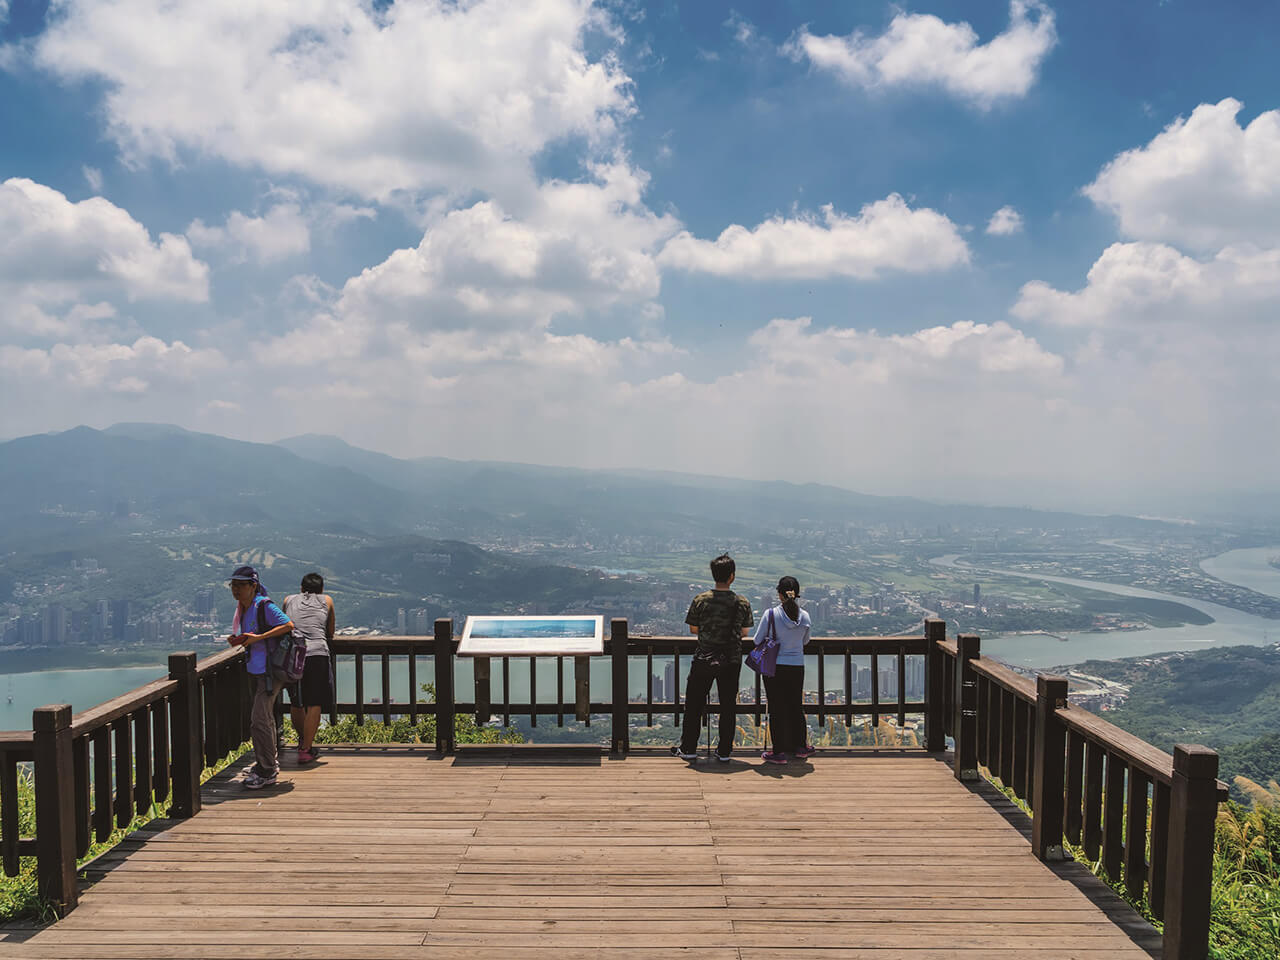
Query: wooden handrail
[[1010, 680], [372, 645], [104, 713], [1151, 761], [218, 660]]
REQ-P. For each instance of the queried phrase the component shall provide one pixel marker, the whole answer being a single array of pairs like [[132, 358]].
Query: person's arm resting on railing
[[279, 622]]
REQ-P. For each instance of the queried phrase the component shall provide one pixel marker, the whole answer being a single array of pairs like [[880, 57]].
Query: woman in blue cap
[[256, 622]]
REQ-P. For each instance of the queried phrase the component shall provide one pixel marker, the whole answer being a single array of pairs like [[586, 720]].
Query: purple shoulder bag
[[763, 658]]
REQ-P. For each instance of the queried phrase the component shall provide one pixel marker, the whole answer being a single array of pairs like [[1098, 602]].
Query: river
[[20, 693], [1246, 568], [23, 692]]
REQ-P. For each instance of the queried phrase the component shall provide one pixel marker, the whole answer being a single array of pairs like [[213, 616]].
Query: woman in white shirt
[[314, 621], [788, 728]]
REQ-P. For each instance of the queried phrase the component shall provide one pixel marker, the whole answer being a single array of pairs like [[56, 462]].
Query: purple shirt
[[256, 659]]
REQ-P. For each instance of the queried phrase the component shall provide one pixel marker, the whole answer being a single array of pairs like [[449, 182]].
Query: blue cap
[[245, 573]]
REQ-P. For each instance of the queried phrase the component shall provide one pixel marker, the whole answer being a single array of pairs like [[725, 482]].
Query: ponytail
[[788, 590]]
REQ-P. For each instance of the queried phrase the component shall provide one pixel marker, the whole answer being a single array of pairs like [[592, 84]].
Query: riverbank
[[1223, 626]]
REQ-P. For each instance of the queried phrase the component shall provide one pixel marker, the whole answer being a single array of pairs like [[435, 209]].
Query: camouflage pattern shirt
[[720, 616]]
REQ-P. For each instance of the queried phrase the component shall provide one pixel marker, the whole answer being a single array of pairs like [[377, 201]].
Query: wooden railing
[[621, 649], [95, 770], [1149, 816]]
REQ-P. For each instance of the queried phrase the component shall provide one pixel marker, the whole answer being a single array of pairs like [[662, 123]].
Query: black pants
[[787, 727], [701, 674]]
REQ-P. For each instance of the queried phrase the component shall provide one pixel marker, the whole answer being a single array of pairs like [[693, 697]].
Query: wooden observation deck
[[488, 851]]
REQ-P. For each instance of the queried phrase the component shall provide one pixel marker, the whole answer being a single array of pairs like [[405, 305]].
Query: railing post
[[187, 756], [935, 736], [1048, 777], [621, 737], [964, 727], [1192, 815], [55, 806], [444, 686], [481, 673]]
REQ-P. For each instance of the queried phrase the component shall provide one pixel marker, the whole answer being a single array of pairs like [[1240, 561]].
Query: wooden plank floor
[[390, 853]]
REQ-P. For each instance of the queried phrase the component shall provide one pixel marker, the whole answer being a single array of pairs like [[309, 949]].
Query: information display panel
[[576, 636]]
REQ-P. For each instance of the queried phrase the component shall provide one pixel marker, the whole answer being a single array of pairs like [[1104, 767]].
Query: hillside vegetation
[[1227, 698]]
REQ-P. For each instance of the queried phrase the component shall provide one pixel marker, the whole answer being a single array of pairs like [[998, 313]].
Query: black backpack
[[287, 653]]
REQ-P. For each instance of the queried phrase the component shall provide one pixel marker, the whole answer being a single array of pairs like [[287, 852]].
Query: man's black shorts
[[314, 689]]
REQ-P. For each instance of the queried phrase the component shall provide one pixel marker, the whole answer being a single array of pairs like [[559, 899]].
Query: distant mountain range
[[173, 476], [170, 476]]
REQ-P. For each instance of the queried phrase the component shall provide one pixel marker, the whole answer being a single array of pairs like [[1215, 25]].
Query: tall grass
[[1246, 883]]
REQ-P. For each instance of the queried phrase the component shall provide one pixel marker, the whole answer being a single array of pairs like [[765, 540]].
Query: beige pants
[[262, 720]]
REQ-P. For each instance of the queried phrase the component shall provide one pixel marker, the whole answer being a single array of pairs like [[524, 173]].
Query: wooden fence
[[93, 770], [1148, 815]]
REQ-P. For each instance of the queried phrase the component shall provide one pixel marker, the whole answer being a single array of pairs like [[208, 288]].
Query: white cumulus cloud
[[282, 232], [55, 251], [885, 235], [921, 50], [580, 246], [988, 348], [376, 99], [1005, 222], [1204, 182], [118, 367], [1151, 283]]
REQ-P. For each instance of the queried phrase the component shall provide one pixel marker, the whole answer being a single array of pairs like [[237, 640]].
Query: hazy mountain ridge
[[497, 488], [169, 476], [172, 477]]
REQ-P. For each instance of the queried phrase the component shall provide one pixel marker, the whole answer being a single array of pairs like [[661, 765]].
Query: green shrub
[[403, 730], [18, 896]]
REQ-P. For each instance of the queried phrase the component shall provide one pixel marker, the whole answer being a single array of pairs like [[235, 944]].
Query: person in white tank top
[[314, 621]]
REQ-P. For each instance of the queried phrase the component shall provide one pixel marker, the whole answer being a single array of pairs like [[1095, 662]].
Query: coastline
[[115, 666]]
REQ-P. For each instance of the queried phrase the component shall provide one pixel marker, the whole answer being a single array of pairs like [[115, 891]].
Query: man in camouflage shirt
[[720, 619]]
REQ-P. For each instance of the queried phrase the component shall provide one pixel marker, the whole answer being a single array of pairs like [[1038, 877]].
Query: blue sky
[[757, 239]]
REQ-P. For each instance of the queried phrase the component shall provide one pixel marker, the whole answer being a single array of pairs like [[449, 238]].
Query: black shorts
[[314, 689]]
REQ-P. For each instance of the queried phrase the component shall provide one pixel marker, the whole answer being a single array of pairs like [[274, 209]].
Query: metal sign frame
[[554, 642]]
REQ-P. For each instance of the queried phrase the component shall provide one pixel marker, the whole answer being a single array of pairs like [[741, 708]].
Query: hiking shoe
[[254, 769], [770, 756], [306, 756], [677, 752], [255, 782], [806, 751]]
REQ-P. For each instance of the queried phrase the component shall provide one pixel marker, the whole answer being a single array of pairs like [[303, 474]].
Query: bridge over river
[[447, 851]]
